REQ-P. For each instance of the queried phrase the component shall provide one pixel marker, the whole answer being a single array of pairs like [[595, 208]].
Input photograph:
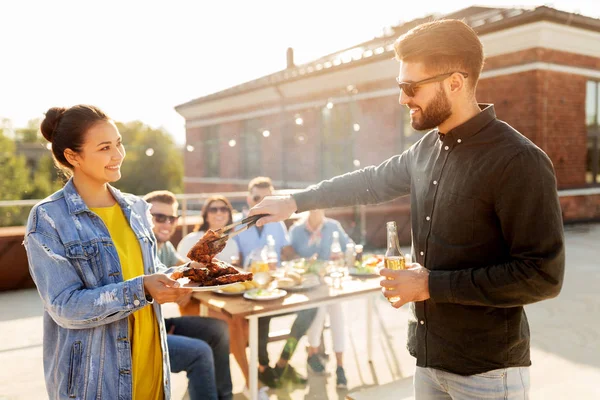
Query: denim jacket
[[75, 266]]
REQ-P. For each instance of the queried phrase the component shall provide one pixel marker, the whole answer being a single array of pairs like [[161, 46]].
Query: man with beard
[[486, 222]]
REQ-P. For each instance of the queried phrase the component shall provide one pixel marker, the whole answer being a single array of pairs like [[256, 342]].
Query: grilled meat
[[214, 273], [205, 249], [231, 278]]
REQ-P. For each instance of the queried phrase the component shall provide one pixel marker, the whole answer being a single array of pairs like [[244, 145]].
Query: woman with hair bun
[[92, 256]]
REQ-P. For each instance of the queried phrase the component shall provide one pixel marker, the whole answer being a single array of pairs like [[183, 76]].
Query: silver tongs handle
[[248, 221]]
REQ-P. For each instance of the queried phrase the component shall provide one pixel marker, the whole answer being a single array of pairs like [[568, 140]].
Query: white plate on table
[[222, 292], [195, 286], [264, 294], [308, 283], [362, 273]]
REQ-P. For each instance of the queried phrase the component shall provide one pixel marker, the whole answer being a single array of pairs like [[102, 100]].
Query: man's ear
[[72, 157], [457, 81]]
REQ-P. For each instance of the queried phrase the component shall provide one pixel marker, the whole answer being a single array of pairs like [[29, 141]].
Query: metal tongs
[[227, 232]]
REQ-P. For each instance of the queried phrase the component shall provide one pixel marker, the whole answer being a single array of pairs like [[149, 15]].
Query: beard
[[438, 110]]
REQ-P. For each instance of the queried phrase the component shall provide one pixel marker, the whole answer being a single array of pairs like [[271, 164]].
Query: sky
[[137, 60]]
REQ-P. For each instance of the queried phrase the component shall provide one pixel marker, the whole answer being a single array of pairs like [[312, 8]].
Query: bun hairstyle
[[65, 128]]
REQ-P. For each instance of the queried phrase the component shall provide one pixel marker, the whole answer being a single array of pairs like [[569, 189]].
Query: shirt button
[[459, 140], [427, 218], [422, 253], [447, 148], [136, 302], [422, 322], [435, 182]]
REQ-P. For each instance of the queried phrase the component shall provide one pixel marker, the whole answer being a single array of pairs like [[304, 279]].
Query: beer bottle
[[394, 259], [335, 253]]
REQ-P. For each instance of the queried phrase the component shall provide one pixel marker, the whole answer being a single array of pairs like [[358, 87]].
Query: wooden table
[[239, 309]]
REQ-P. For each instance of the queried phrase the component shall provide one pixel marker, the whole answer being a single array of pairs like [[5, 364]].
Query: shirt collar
[[471, 127]]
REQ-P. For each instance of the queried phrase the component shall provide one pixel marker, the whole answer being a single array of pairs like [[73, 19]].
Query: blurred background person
[[197, 345], [217, 212], [251, 243], [311, 237], [163, 209]]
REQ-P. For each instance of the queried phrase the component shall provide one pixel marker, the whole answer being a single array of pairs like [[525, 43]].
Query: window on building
[[337, 151], [251, 150], [592, 120], [210, 144]]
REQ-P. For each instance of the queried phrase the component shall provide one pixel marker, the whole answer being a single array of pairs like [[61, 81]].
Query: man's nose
[[403, 99]]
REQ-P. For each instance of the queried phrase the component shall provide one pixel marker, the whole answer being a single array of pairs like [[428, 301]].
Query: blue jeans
[[200, 346], [501, 384]]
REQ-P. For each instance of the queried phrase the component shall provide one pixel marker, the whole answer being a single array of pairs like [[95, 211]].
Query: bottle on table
[[394, 259], [349, 255], [272, 258], [335, 253], [336, 260], [358, 249]]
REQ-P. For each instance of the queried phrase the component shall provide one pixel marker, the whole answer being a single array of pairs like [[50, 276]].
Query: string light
[[329, 105], [189, 148], [356, 163], [356, 127], [266, 133], [150, 152], [232, 143], [299, 121]]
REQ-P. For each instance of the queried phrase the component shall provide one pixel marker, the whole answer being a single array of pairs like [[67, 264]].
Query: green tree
[[153, 161], [15, 182], [30, 134], [46, 179]]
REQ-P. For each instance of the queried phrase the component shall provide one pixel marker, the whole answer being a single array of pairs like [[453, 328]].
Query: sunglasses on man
[[162, 218], [214, 210], [409, 87]]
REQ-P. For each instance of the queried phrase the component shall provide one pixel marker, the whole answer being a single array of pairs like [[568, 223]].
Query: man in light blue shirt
[[252, 241], [314, 235], [309, 238]]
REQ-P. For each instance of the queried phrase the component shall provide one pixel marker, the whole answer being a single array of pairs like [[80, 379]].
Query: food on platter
[[371, 264], [285, 282], [212, 274]]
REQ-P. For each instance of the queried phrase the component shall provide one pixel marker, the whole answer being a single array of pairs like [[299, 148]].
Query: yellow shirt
[[146, 355]]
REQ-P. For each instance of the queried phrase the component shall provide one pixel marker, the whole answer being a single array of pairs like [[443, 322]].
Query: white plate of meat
[[215, 275], [197, 286], [209, 273]]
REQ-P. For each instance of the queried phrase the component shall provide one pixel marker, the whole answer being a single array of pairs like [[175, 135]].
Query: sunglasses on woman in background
[[214, 210]]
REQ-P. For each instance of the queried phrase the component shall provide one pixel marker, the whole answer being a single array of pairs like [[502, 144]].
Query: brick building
[[340, 112]]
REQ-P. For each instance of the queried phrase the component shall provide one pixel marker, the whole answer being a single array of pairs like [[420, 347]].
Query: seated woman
[[217, 212], [314, 236]]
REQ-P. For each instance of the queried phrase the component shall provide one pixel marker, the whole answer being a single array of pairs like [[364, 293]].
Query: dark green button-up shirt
[[486, 222]]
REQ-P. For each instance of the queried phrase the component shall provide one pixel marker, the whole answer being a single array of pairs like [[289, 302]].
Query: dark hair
[[446, 45], [65, 128], [204, 226], [261, 182], [161, 196]]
